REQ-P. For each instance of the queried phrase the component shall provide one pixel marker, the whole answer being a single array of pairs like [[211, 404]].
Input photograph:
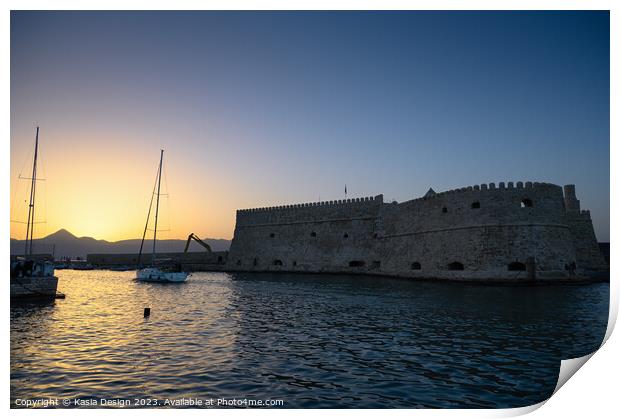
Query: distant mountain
[[62, 243]]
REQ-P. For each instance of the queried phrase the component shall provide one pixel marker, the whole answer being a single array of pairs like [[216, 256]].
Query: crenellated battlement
[[492, 186], [340, 202], [507, 186], [379, 198]]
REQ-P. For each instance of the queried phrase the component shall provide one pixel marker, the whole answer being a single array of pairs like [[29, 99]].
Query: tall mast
[[30, 224], [146, 226], [161, 159]]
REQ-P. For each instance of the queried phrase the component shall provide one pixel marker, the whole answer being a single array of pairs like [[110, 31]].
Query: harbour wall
[[508, 231], [37, 257], [191, 261]]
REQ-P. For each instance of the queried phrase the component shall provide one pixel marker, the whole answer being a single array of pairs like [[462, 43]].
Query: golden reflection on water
[[98, 333]]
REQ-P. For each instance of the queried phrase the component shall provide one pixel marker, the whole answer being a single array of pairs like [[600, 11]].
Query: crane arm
[[197, 240]]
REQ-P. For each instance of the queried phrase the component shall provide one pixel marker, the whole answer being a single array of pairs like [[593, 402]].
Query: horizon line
[[113, 241]]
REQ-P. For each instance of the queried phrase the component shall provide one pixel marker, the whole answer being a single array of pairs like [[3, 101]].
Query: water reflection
[[314, 341]]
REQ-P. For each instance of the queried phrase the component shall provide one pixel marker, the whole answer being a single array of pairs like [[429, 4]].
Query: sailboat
[[152, 273], [32, 277]]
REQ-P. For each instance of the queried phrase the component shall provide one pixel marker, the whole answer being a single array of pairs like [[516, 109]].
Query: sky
[[258, 109]]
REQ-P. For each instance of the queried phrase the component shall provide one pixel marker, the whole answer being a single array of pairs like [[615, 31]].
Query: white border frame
[[591, 393]]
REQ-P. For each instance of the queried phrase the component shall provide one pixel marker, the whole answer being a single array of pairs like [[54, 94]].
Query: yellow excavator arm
[[197, 240]]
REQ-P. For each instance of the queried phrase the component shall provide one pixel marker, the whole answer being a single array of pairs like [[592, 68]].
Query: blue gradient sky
[[258, 109]]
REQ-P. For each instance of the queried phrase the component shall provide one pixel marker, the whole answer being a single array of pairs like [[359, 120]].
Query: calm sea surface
[[311, 341]]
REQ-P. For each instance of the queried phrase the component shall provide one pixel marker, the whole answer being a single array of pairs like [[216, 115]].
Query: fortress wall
[[542, 237], [437, 230], [587, 252], [306, 246], [308, 212], [588, 255], [305, 237], [484, 252], [496, 206]]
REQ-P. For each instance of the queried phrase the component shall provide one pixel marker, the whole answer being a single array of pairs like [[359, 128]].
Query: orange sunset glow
[[105, 191]]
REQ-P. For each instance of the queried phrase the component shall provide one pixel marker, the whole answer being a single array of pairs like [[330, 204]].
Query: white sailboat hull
[[156, 275]]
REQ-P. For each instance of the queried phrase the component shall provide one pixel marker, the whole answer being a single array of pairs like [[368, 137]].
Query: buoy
[[147, 311]]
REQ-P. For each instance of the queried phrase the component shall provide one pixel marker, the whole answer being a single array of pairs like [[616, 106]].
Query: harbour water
[[312, 341]]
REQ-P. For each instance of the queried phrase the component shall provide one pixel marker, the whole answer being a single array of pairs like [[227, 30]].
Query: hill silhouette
[[65, 244]]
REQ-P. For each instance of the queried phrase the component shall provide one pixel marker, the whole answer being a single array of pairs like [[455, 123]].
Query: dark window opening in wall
[[444, 210], [376, 264], [255, 261], [294, 263], [277, 262], [415, 266], [238, 262], [356, 263], [346, 235], [272, 235], [516, 266], [456, 266], [313, 234], [526, 203], [475, 205], [219, 259]]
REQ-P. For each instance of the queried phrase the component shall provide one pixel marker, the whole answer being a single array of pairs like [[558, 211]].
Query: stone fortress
[[523, 231]]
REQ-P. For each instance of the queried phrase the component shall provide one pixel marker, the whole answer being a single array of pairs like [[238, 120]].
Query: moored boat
[[31, 278], [153, 273], [157, 275]]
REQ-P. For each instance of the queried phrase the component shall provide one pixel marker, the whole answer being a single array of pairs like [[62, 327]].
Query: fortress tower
[[522, 231]]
